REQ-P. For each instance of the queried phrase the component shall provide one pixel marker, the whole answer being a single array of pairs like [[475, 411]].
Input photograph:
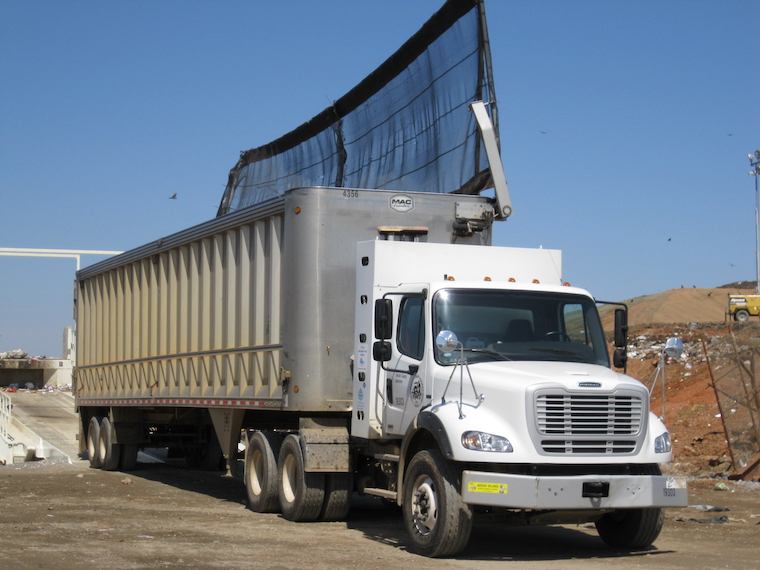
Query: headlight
[[662, 443], [479, 441]]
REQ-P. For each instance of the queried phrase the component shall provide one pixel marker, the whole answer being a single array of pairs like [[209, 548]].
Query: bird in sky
[[173, 196]]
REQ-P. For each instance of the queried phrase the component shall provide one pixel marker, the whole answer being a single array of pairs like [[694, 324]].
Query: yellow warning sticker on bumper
[[475, 487]]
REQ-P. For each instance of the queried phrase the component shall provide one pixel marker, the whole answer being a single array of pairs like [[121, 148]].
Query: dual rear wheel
[[102, 449], [276, 480]]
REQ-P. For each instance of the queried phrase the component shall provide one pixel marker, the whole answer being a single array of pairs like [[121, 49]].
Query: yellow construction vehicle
[[740, 307]]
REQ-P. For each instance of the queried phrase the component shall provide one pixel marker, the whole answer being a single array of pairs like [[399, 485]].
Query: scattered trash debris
[[715, 520], [709, 508], [720, 486], [18, 353]]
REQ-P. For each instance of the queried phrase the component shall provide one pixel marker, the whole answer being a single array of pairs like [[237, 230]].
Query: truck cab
[[499, 385]]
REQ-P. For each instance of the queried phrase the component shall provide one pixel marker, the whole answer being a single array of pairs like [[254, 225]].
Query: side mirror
[[382, 351], [619, 357], [621, 328], [446, 341], [673, 347], [383, 319]]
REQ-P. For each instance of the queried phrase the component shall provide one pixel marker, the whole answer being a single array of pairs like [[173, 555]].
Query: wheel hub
[[424, 505]]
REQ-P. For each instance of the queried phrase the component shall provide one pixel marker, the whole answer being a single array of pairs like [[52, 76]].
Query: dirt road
[[167, 516]]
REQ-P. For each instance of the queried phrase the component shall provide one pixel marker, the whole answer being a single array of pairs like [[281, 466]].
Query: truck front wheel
[[301, 494], [631, 529], [437, 520], [741, 315]]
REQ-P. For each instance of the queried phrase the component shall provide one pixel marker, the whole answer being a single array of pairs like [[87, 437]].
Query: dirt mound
[[679, 306]]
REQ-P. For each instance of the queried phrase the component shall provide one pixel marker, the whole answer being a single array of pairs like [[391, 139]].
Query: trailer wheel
[[741, 315], [93, 442], [301, 493], [261, 471], [128, 456], [437, 520], [337, 497], [109, 451]]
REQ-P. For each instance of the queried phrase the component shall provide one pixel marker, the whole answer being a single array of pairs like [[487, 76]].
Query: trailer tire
[[301, 494], [261, 475], [337, 497], [436, 518], [93, 442], [128, 456], [109, 450], [741, 315]]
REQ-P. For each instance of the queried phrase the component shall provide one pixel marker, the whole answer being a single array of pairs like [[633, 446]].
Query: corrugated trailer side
[[190, 321], [200, 319]]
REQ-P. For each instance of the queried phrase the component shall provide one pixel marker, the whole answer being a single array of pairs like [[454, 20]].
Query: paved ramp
[[51, 416]]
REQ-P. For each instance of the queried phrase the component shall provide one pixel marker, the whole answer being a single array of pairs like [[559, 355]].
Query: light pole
[[754, 161]]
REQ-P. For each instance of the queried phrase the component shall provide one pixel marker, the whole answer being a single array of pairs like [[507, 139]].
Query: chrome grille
[[588, 423]]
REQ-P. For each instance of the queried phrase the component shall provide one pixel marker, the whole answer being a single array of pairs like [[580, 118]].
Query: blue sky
[[648, 110]]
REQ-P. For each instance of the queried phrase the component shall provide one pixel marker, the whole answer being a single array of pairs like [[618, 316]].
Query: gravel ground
[[69, 516]]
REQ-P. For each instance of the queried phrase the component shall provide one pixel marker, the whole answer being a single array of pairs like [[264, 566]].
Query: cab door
[[405, 373]]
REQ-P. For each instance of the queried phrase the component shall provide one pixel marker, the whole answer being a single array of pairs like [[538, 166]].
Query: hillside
[[692, 412], [685, 305]]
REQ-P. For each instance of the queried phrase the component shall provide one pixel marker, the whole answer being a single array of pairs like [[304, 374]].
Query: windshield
[[520, 325]]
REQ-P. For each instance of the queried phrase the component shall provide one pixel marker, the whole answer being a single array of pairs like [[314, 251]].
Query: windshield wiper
[[493, 353], [577, 357]]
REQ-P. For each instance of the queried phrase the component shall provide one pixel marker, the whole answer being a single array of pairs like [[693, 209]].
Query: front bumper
[[574, 491]]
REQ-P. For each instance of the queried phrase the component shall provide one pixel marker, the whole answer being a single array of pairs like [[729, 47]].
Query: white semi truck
[[373, 341]]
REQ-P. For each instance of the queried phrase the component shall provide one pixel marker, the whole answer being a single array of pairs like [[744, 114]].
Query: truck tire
[[741, 315], [437, 520], [93, 442], [261, 475], [301, 494], [109, 450], [337, 497], [632, 529], [128, 456]]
